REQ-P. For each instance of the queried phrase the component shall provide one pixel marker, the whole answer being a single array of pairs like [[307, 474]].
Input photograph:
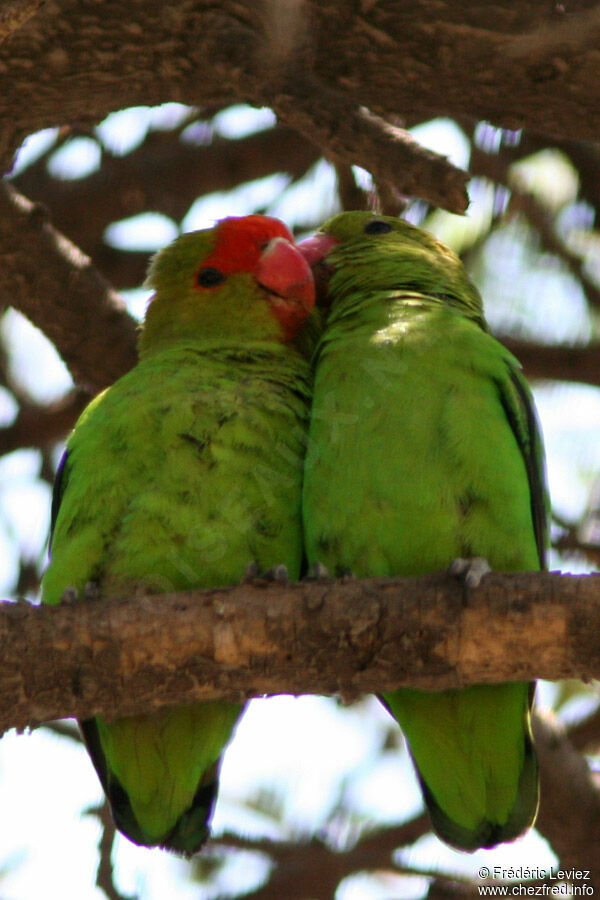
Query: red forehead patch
[[240, 242]]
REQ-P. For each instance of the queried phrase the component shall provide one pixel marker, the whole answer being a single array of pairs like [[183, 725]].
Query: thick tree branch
[[358, 137], [49, 280], [387, 57], [128, 656], [14, 13]]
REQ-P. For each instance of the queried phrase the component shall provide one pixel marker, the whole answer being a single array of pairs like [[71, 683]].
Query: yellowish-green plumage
[[181, 475], [423, 448]]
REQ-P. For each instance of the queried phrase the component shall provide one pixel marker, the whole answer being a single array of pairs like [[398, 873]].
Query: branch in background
[[571, 543], [28, 581], [351, 195], [543, 223], [164, 174], [570, 806], [585, 735], [384, 56], [39, 426], [128, 656], [569, 813], [313, 869], [390, 201], [585, 157], [557, 361], [14, 14], [49, 280], [577, 31], [496, 167], [355, 136], [335, 120], [127, 268], [105, 873]]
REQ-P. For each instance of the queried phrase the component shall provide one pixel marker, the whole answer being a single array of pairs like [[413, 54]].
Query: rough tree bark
[[341, 73], [127, 656], [328, 69]]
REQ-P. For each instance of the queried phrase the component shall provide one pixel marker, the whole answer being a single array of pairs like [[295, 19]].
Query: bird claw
[[317, 572], [69, 595], [277, 573], [470, 570], [91, 591], [251, 573]]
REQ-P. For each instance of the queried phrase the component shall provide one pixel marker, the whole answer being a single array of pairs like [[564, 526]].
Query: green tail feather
[[487, 833], [188, 828], [473, 752]]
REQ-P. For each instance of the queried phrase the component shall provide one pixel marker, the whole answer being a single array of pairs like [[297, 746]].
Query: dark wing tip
[[190, 831], [489, 834], [524, 423], [60, 483]]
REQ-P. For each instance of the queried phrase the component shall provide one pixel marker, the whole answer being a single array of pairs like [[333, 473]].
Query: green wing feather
[[423, 447]]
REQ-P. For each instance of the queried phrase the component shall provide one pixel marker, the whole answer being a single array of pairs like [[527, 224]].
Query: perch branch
[[126, 656]]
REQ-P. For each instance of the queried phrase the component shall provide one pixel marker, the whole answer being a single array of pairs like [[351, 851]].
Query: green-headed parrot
[[187, 473], [424, 448]]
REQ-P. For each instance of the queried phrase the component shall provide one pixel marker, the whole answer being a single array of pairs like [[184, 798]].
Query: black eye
[[209, 277], [377, 227]]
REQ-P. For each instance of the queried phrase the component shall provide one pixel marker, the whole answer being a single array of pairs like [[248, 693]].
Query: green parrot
[[424, 449], [187, 473]]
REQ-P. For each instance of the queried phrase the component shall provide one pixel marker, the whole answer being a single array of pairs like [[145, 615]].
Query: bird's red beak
[[287, 276], [314, 250]]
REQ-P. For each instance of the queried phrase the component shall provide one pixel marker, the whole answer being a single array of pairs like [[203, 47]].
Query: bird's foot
[[91, 591], [69, 595], [251, 573], [470, 570], [317, 572], [277, 573]]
